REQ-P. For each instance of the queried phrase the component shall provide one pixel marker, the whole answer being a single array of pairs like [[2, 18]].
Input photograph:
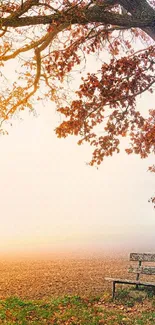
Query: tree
[[51, 38]]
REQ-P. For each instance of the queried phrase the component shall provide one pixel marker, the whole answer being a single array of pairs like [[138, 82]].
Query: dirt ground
[[44, 278], [39, 279]]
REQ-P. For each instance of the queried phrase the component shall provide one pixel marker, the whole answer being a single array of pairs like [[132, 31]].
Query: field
[[39, 279], [70, 292]]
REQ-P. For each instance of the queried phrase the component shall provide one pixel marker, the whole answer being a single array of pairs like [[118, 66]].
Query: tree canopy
[[50, 39]]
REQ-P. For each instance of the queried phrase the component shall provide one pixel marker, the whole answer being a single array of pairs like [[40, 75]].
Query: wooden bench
[[139, 269]]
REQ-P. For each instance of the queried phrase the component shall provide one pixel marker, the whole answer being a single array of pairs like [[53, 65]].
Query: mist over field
[[54, 204], [112, 245]]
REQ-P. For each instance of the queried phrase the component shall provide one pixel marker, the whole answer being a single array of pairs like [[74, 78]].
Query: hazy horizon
[[52, 201]]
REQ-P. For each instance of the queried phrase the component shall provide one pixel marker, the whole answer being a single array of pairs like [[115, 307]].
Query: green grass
[[77, 311], [68, 310]]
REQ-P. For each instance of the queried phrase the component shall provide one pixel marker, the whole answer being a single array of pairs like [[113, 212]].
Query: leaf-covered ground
[[41, 279], [38, 279]]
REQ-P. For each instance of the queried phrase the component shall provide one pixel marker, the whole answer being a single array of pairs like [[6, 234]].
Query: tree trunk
[[140, 9]]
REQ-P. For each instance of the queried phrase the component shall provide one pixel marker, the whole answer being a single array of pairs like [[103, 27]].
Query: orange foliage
[[59, 36]]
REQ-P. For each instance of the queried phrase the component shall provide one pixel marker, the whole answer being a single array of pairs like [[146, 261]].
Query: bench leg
[[113, 290]]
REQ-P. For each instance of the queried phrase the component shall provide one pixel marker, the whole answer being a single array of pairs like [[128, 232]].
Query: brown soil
[[41, 279], [58, 277]]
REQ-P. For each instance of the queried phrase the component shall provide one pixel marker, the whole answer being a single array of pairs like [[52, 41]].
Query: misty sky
[[52, 200]]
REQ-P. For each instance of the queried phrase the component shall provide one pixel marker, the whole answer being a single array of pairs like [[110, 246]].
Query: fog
[[53, 203]]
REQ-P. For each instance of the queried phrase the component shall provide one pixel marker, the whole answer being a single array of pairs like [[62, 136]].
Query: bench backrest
[[148, 270]]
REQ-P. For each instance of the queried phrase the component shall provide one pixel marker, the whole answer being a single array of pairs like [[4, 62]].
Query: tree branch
[[92, 15], [23, 9]]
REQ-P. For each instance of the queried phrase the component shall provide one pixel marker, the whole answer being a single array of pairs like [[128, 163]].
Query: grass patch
[[75, 310], [68, 310]]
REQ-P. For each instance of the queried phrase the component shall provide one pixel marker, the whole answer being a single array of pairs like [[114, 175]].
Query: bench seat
[[116, 280], [140, 269]]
